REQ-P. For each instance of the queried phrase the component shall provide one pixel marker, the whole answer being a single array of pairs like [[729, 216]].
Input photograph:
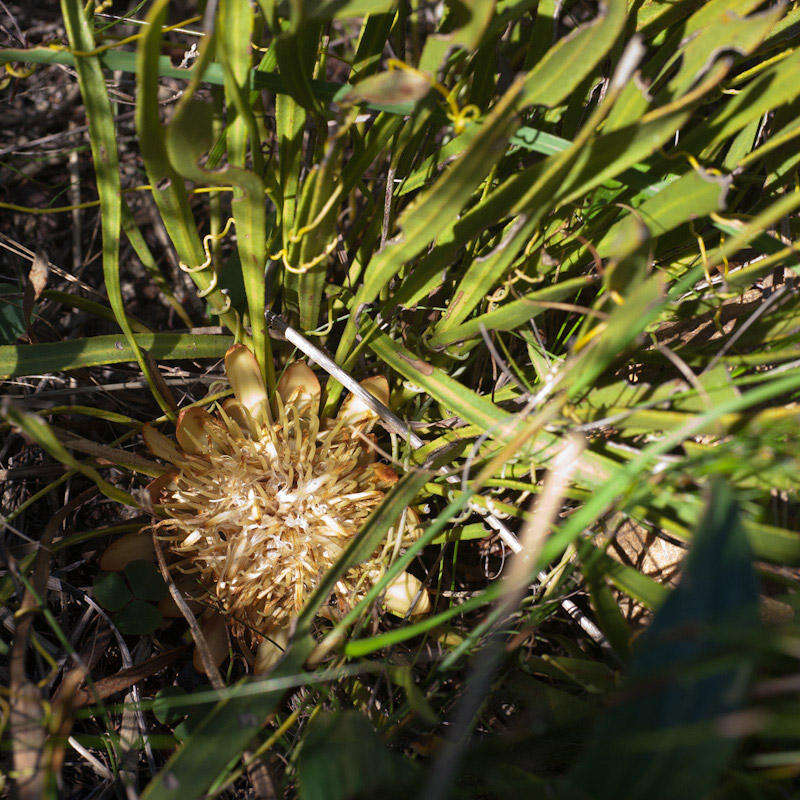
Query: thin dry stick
[[98, 766], [539, 521], [685, 370], [209, 667], [277, 323]]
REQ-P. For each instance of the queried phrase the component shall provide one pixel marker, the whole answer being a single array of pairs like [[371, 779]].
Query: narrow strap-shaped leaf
[[205, 755], [510, 315], [102, 137], [235, 33], [499, 424], [38, 429], [169, 190], [433, 210], [93, 351], [467, 24], [692, 196], [188, 137], [571, 59]]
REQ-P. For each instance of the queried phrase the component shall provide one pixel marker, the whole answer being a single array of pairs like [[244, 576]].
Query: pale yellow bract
[[263, 501]]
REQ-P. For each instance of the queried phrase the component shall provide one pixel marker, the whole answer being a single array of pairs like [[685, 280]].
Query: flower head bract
[[262, 501]]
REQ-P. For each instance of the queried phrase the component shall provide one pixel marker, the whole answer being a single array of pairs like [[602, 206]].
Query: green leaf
[[566, 64], [187, 139], [647, 591], [296, 52], [511, 315], [164, 710], [374, 33], [625, 323], [720, 26], [103, 139], [771, 88], [221, 735], [138, 618], [34, 359], [343, 757], [462, 27], [111, 591], [469, 405], [145, 581], [12, 317], [168, 188], [358, 648], [689, 671], [235, 33], [692, 196], [433, 210], [313, 232]]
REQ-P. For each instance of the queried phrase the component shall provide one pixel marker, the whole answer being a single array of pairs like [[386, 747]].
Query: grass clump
[[555, 243]]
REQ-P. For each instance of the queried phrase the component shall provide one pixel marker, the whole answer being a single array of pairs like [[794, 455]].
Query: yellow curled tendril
[[20, 73], [301, 269], [296, 236], [208, 239], [328, 326], [127, 40], [458, 116], [210, 288]]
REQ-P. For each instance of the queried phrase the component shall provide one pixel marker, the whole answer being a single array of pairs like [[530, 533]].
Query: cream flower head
[[263, 501]]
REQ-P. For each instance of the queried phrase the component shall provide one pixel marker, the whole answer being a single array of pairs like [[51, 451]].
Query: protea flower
[[263, 501]]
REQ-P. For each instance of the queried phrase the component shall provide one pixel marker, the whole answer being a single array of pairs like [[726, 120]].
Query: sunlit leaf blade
[[94, 351], [106, 163], [572, 58], [432, 211]]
